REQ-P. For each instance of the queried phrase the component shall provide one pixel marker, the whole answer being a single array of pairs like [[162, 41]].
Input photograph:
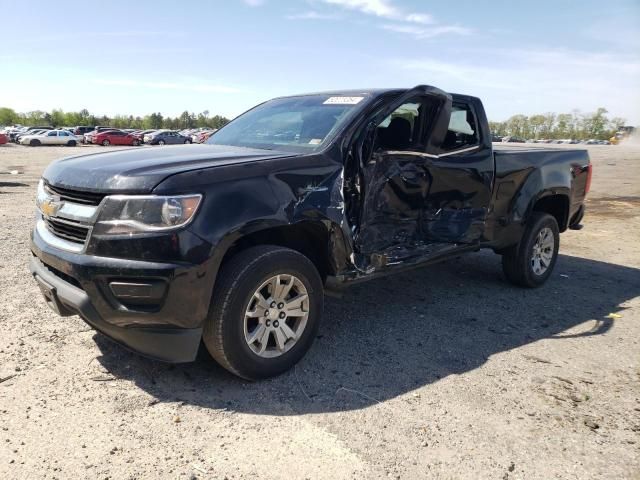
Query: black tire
[[161, 143], [35, 143], [237, 281], [517, 260], [71, 143], [106, 143], [136, 143], [187, 141]]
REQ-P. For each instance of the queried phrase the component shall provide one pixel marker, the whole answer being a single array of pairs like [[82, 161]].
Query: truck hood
[[140, 169]]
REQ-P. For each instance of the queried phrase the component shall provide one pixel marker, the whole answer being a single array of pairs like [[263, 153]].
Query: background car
[[32, 132], [513, 139], [115, 137], [28, 130], [147, 135], [3, 139], [51, 137], [80, 130], [169, 138], [88, 137]]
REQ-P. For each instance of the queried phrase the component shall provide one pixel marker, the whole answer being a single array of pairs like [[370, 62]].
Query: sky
[[224, 56]]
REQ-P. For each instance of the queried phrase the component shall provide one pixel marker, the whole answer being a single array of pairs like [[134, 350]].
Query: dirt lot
[[446, 372]]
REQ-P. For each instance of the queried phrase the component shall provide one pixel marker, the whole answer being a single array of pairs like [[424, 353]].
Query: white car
[[51, 137]]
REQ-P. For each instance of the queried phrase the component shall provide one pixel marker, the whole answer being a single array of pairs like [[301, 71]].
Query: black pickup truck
[[235, 242]]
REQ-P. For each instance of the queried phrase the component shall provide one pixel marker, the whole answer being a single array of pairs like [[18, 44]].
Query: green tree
[[153, 121], [564, 125], [595, 124], [218, 121], [57, 118], [518, 125], [8, 116], [549, 125], [536, 125], [498, 128]]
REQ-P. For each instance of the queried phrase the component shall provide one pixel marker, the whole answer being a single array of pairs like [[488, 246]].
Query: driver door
[[426, 171], [394, 171]]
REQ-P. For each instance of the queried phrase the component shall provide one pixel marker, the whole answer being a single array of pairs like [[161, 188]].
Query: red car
[[115, 137], [3, 139]]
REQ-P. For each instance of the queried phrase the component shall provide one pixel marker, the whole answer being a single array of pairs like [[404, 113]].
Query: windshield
[[295, 124]]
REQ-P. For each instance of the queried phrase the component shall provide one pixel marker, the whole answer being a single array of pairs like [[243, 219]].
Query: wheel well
[[310, 239], [557, 206]]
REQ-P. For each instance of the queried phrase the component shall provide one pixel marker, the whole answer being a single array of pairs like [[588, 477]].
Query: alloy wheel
[[543, 249], [276, 316]]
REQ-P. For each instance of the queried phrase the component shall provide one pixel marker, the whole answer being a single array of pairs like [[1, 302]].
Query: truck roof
[[371, 92], [352, 92]]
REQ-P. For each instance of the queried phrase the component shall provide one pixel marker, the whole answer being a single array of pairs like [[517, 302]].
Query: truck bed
[[521, 173]]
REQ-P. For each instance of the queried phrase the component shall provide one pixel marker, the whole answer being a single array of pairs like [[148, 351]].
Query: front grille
[[71, 231], [75, 196]]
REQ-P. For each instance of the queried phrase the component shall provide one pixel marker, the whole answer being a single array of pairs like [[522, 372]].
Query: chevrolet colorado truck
[[235, 242]]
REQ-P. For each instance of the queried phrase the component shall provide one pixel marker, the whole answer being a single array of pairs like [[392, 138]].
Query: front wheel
[[106, 143], [161, 142], [35, 143], [187, 141], [530, 263], [71, 143], [265, 311], [136, 143]]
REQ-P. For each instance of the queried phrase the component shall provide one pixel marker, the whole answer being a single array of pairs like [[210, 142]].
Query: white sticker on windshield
[[315, 141], [343, 100]]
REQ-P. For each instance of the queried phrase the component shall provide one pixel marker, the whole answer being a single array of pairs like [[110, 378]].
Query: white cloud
[[379, 8], [254, 3], [383, 9], [423, 18], [312, 15], [193, 87], [427, 31], [412, 23]]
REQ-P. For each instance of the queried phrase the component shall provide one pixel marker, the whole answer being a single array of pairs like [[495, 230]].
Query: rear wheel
[[265, 311], [106, 143], [531, 262]]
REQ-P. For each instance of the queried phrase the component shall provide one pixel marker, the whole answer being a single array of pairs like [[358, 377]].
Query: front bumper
[[175, 345], [107, 293]]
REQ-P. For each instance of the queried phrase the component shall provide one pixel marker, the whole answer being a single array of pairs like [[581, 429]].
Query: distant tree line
[[59, 118], [574, 125]]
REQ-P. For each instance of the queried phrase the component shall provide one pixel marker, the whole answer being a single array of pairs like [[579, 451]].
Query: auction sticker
[[343, 100]]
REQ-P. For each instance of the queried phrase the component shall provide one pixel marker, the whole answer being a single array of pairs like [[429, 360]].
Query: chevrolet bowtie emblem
[[50, 207]]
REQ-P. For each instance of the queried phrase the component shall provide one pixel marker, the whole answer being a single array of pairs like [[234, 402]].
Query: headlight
[[130, 214], [41, 195]]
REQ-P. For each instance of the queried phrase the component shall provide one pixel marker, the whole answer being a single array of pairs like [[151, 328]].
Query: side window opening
[[400, 130], [463, 131]]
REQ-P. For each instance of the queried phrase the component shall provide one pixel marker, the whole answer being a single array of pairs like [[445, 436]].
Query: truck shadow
[[391, 336]]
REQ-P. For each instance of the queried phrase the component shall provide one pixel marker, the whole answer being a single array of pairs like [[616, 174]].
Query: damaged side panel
[[417, 200]]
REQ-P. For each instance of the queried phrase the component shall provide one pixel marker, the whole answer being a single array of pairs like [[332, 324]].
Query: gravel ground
[[444, 372]]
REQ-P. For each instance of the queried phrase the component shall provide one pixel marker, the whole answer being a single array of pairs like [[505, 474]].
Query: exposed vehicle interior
[[401, 130]]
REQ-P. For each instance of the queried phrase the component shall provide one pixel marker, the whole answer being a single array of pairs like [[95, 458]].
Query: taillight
[[587, 186]]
